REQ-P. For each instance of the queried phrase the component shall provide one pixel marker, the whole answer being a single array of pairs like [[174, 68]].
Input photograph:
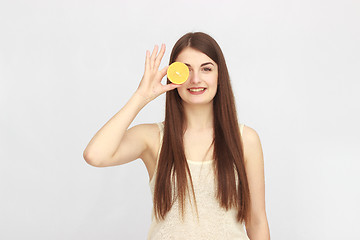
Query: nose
[[194, 77]]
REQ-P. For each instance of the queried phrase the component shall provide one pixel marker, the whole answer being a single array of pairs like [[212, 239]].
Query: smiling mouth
[[196, 89]]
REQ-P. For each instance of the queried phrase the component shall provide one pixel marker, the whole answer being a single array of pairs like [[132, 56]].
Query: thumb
[[171, 86]]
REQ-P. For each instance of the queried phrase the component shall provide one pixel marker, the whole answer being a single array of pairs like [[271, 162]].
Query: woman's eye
[[207, 69]]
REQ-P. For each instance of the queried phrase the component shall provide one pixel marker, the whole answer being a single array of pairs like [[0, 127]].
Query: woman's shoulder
[[248, 132], [149, 129], [150, 133], [251, 140]]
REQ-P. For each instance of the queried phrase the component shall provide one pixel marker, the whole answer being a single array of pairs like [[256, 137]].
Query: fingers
[[160, 56], [147, 60], [163, 71], [153, 56]]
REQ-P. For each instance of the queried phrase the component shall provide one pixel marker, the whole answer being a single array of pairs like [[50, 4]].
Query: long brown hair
[[229, 168]]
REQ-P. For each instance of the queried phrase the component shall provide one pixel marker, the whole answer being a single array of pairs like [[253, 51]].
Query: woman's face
[[201, 86]]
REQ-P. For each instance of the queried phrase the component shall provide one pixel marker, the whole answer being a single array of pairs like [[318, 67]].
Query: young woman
[[206, 170]]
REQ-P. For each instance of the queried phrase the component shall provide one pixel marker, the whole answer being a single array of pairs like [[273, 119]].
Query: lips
[[196, 89]]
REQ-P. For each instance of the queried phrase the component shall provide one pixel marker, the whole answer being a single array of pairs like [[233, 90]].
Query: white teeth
[[196, 89]]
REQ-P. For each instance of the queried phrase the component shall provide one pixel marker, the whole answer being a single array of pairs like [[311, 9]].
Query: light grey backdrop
[[66, 67]]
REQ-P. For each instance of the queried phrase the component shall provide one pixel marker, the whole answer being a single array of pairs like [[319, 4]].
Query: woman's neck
[[199, 117]]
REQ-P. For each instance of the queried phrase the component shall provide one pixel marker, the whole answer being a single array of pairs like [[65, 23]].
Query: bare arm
[[257, 228], [104, 144], [114, 144]]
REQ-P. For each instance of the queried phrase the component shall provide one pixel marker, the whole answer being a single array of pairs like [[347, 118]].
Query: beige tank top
[[214, 222]]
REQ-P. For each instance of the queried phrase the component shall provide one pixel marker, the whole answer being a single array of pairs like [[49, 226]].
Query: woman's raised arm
[[115, 144]]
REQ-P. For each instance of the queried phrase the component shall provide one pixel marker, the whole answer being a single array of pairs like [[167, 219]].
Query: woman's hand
[[150, 86]]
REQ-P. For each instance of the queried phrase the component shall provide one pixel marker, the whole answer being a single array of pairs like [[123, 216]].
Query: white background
[[66, 67]]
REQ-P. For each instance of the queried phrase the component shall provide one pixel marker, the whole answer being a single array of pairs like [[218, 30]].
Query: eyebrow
[[201, 64]]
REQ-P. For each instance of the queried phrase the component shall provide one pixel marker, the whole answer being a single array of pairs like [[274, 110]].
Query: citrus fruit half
[[178, 72]]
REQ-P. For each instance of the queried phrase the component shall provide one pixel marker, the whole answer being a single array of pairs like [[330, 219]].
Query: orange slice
[[178, 72]]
